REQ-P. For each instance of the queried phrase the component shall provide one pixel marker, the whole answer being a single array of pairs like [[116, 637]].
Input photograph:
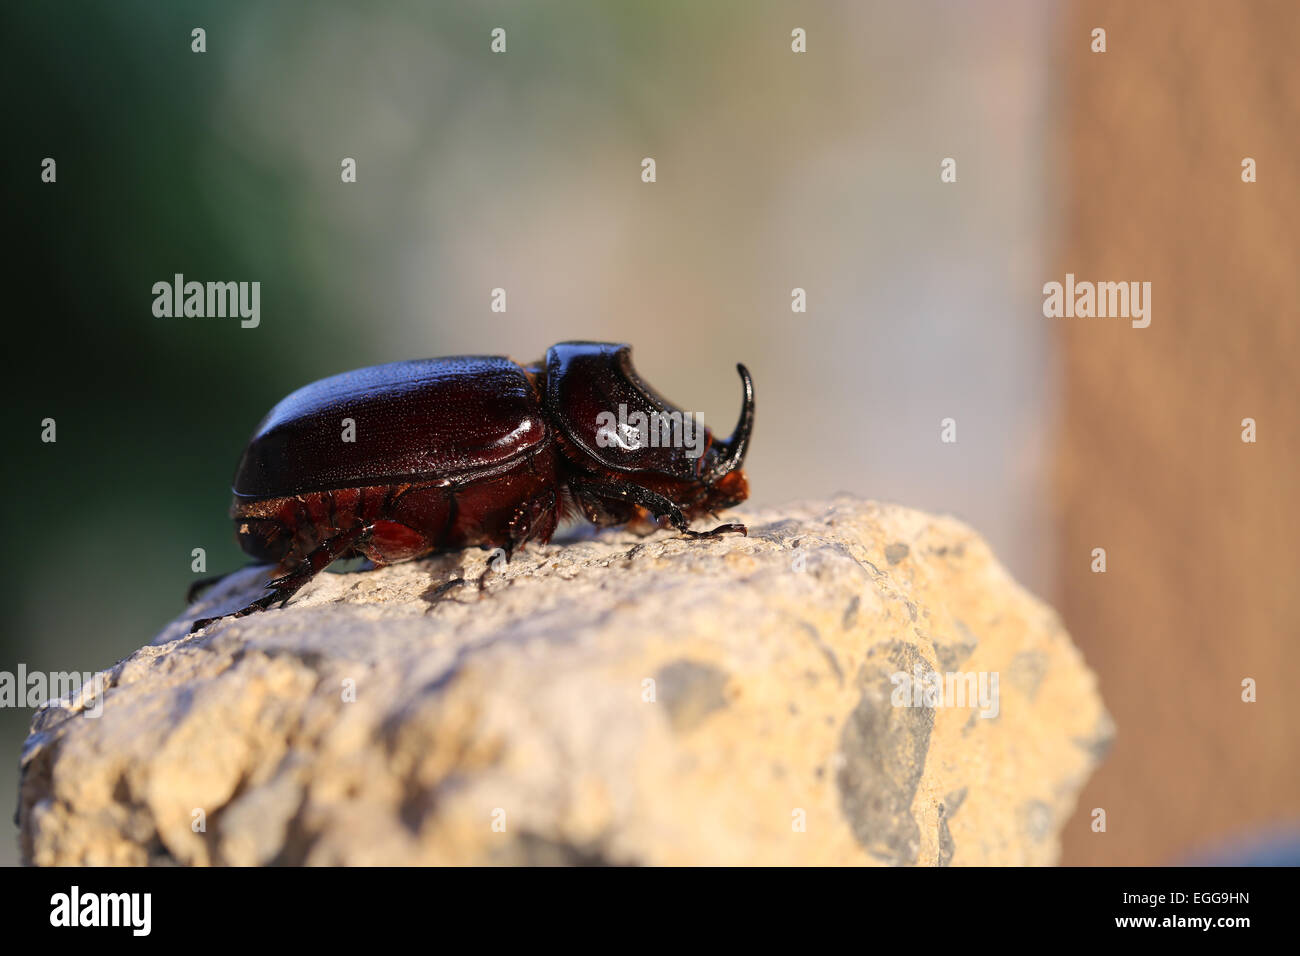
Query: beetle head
[[615, 426]]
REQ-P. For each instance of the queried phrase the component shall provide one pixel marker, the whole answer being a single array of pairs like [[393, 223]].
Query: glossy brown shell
[[421, 420]]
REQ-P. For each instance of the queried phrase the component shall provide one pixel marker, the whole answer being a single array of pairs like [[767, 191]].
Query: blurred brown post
[[1201, 530]]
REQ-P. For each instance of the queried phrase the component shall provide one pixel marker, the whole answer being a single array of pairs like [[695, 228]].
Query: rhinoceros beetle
[[449, 453]]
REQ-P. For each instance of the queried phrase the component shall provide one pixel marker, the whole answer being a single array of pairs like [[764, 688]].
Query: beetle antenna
[[738, 444]]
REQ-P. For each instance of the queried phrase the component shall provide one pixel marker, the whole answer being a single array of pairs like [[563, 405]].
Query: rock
[[612, 699]]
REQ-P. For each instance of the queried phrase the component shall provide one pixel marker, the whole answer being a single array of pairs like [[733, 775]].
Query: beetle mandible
[[455, 452]]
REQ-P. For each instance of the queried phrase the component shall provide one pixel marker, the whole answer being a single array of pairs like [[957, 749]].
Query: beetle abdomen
[[410, 421], [406, 520]]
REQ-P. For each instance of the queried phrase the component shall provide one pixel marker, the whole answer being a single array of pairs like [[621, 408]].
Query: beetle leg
[[261, 604], [729, 528], [287, 585], [202, 584], [436, 593], [656, 504], [535, 519], [508, 550]]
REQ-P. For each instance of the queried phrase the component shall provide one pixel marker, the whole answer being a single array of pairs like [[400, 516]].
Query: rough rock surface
[[373, 721]]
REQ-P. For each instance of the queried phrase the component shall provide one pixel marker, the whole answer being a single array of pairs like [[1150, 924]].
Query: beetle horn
[[732, 451]]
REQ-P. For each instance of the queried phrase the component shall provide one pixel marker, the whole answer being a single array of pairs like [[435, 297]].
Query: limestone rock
[[610, 699]]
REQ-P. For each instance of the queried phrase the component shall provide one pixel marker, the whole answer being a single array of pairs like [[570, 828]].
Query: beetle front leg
[[656, 504], [287, 585]]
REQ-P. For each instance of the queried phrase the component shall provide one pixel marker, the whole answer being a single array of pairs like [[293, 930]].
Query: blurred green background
[[521, 171]]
